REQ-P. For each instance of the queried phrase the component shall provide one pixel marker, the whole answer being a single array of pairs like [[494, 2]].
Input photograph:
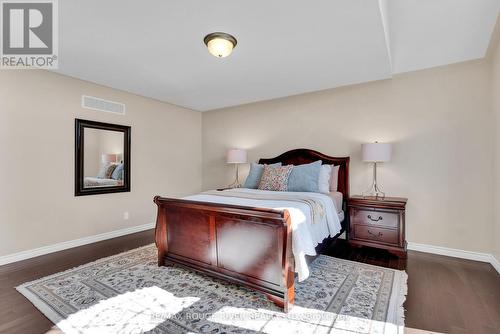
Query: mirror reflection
[[103, 158]]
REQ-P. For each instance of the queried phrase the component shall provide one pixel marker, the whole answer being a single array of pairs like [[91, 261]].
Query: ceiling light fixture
[[220, 44]]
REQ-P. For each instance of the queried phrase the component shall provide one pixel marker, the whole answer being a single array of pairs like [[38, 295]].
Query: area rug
[[129, 293]]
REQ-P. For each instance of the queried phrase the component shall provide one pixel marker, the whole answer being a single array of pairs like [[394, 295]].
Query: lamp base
[[236, 183], [374, 190], [377, 194]]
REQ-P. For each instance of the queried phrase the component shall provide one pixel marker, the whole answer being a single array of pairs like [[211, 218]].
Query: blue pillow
[[305, 177], [255, 174], [118, 173]]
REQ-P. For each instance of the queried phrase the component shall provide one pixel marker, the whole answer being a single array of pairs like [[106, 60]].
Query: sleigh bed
[[246, 245]]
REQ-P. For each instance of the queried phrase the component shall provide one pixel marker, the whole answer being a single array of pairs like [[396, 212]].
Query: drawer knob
[[375, 220], [378, 235]]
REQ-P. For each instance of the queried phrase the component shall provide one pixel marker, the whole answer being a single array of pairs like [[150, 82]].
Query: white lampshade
[[376, 152], [108, 157], [236, 156]]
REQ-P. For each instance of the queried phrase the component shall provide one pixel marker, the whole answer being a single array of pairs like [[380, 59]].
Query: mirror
[[102, 158]]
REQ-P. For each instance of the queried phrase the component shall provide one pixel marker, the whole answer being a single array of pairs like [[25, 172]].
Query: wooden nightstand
[[378, 223]]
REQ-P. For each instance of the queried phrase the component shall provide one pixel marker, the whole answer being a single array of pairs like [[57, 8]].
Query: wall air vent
[[95, 103]]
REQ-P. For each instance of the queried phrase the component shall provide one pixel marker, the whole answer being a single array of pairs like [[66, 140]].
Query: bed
[[250, 237], [95, 182]]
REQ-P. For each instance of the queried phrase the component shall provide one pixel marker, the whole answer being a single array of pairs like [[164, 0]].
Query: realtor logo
[[29, 34]]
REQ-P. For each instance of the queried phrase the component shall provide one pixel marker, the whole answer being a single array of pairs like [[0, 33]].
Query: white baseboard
[[72, 243], [459, 253], [453, 252], [495, 263]]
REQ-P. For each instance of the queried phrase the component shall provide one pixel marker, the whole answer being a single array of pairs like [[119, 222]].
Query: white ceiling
[[285, 47]]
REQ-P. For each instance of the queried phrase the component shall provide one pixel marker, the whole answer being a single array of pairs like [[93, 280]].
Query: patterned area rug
[[129, 293]]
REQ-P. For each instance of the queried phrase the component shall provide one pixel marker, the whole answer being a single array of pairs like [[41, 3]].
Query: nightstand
[[378, 223]]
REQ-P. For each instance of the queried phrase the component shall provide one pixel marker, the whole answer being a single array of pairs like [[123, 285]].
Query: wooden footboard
[[244, 245]]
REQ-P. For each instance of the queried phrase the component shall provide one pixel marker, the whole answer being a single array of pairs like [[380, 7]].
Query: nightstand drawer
[[378, 218], [376, 234]]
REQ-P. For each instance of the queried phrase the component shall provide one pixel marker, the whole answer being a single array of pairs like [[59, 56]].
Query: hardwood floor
[[17, 314], [444, 294]]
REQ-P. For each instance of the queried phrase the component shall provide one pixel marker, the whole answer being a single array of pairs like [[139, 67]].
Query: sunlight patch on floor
[[138, 311], [299, 320], [419, 331]]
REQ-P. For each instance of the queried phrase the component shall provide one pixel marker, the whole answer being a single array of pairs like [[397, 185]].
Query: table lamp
[[236, 156], [376, 152]]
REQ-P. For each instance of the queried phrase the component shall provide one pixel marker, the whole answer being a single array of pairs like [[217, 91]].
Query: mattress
[[341, 215], [337, 198], [98, 182]]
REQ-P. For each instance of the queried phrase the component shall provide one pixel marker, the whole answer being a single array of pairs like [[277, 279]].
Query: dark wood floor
[[444, 294], [17, 314]]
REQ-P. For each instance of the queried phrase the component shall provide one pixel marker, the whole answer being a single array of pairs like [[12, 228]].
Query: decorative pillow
[[275, 177], [253, 178], [305, 177], [118, 173], [324, 179], [106, 170], [334, 178]]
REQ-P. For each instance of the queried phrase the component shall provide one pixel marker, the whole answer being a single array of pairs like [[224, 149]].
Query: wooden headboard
[[302, 156]]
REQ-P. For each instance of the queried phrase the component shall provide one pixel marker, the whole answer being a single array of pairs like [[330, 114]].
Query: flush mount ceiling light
[[220, 44]]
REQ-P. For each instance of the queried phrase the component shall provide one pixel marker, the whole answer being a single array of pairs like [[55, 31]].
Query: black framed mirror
[[102, 158]]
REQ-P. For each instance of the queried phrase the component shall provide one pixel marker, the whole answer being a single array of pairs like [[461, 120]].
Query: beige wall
[[37, 205], [91, 152], [494, 54], [447, 151], [439, 121]]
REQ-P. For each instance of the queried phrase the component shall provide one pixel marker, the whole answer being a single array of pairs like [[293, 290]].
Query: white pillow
[[334, 179], [324, 179]]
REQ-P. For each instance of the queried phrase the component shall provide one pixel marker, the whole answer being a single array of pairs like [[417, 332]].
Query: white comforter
[[98, 182], [305, 235]]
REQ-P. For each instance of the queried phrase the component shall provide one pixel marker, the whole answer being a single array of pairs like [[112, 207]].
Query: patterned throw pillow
[[255, 174], [106, 170], [275, 177]]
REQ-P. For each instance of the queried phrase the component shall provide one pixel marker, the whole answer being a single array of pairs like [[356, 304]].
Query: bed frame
[[243, 245]]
